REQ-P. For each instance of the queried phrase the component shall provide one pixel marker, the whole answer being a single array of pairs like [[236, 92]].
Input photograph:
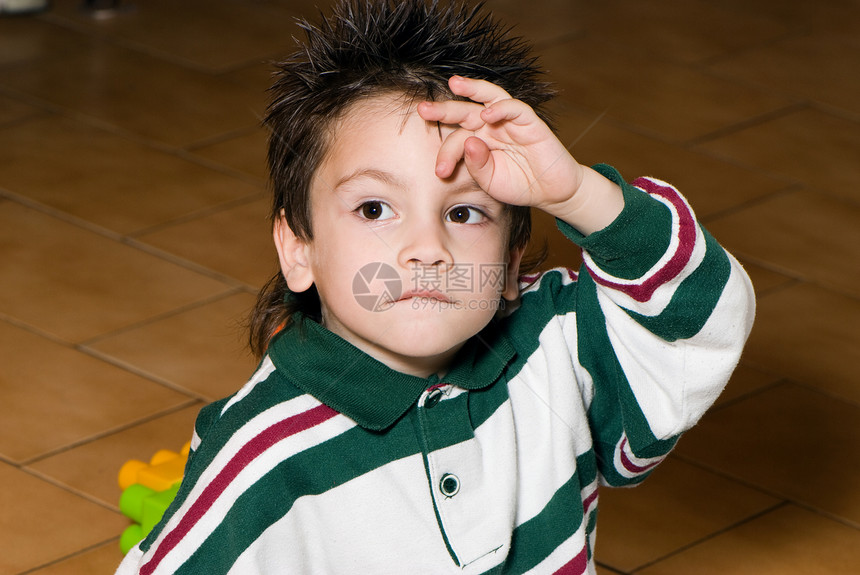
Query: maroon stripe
[[575, 566], [687, 233], [586, 503], [629, 465], [250, 451]]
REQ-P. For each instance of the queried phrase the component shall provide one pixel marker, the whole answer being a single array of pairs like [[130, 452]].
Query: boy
[[415, 410]]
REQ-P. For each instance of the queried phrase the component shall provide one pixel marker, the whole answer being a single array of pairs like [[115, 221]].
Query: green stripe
[[534, 540], [614, 408], [310, 472], [635, 241], [694, 300]]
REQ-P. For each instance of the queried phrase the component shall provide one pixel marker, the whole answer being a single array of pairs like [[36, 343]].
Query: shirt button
[[433, 398], [449, 485]]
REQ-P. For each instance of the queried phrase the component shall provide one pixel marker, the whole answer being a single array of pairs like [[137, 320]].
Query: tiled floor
[[133, 237]]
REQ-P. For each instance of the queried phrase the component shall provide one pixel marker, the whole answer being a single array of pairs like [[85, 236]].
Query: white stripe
[[249, 475], [266, 369], [550, 395], [663, 294], [675, 382]]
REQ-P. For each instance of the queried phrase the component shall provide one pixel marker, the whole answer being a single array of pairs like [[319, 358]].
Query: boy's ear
[[512, 274], [293, 256]]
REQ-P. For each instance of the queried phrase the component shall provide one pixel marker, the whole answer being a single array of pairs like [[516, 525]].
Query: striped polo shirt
[[328, 461]]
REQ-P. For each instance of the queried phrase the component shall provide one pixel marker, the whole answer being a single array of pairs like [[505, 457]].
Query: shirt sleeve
[[662, 312]]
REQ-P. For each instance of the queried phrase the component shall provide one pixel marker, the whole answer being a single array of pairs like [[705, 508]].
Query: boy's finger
[[450, 152], [453, 112], [477, 90], [513, 111], [479, 161]]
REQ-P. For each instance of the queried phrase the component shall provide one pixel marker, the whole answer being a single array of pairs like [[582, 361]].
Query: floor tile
[[93, 468], [81, 396], [113, 182], [203, 349], [813, 147], [668, 100], [808, 334], [787, 541], [236, 242], [680, 30], [812, 235], [76, 284], [12, 111], [102, 560], [677, 506], [811, 66], [710, 185], [746, 380], [765, 280], [245, 153], [246, 31], [139, 93], [789, 440], [34, 41], [41, 523]]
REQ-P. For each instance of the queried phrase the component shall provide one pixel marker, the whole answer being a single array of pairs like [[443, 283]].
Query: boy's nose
[[425, 245]]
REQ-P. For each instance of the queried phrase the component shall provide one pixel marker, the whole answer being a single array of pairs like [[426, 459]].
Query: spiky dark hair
[[367, 48]]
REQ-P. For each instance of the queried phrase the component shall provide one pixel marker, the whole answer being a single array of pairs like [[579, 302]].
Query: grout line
[[69, 489], [749, 123], [712, 535], [101, 435], [72, 555]]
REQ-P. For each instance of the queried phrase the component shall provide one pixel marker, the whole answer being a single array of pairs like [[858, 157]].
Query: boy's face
[[408, 266]]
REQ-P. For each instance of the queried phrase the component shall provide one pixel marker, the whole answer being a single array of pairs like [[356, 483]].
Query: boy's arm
[[660, 313]]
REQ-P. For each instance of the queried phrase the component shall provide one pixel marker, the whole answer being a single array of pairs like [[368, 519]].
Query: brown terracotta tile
[[746, 380], [139, 93], [810, 146], [765, 280], [81, 396], [42, 523], [811, 67], [76, 284], [679, 505], [807, 334], [680, 30], [93, 468], [184, 32], [787, 541], [236, 242], [113, 182], [12, 111], [33, 40], [245, 153], [789, 440], [813, 236], [668, 100], [710, 185], [103, 559], [203, 349]]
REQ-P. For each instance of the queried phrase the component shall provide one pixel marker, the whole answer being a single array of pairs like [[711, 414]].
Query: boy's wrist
[[596, 203]]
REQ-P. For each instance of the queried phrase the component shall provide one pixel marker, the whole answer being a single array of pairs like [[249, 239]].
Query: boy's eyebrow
[[390, 179], [373, 174]]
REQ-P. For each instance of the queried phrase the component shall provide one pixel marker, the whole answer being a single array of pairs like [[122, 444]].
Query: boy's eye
[[375, 210], [465, 215]]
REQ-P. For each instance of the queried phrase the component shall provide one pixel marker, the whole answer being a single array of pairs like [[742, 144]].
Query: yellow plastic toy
[[147, 491]]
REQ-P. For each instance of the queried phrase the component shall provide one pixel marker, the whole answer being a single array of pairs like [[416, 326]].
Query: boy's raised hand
[[514, 156]]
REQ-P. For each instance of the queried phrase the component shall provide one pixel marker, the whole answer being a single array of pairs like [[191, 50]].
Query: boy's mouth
[[432, 295]]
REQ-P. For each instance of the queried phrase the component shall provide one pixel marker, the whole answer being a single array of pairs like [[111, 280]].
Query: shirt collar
[[348, 380]]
